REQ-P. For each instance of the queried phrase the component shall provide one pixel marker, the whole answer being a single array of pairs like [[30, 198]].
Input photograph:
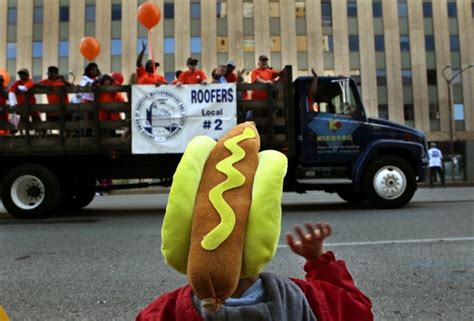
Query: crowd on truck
[[17, 93]]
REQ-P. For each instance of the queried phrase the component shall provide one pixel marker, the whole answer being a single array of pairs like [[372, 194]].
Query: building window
[[222, 44], [63, 14], [404, 43], [195, 44], [195, 10], [249, 44], [402, 8], [381, 77], [328, 43], [38, 15], [169, 10], [326, 12], [139, 44], [409, 114], [353, 43], [352, 8], [383, 111], [116, 12], [431, 75], [406, 77], [430, 43], [452, 11], [12, 16], [248, 10], [37, 49], [90, 13], [454, 42], [379, 43], [427, 9], [63, 49], [11, 50], [116, 47], [169, 76], [377, 9], [300, 9], [221, 10], [169, 45]]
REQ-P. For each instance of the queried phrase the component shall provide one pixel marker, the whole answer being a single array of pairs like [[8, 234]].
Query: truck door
[[331, 123]]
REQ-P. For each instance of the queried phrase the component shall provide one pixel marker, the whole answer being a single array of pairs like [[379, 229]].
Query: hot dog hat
[[223, 217]]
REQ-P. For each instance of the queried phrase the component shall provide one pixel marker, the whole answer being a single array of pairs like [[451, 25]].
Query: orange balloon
[[149, 15], [89, 47], [6, 76]]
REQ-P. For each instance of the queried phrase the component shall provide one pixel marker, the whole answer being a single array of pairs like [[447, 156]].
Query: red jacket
[[328, 287]]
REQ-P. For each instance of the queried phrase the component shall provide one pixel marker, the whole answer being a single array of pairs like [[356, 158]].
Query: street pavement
[[104, 263]]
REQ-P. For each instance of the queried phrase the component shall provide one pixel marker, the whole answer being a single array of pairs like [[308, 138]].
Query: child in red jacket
[[221, 228], [328, 291]]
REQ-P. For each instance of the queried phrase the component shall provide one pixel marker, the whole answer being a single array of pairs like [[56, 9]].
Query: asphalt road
[[104, 263]]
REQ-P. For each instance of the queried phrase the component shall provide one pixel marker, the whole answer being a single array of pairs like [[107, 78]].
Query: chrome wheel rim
[[27, 192], [390, 182]]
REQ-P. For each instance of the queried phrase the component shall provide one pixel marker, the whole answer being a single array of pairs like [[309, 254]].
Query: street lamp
[[449, 82]]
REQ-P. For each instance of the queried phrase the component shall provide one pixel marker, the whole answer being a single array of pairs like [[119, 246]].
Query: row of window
[[249, 45], [195, 11]]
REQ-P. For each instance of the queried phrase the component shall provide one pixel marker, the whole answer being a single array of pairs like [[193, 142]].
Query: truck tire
[[388, 182], [30, 191], [350, 196], [79, 199]]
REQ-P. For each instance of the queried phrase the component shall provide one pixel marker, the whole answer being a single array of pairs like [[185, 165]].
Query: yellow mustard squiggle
[[234, 179]]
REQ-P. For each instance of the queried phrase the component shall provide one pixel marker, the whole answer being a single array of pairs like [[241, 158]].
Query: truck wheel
[[30, 191], [389, 182], [79, 199], [350, 196]]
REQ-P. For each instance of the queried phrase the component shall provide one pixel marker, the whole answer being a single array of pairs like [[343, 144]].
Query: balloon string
[[150, 45]]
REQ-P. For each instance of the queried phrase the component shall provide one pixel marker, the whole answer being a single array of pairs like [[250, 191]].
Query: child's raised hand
[[310, 245]]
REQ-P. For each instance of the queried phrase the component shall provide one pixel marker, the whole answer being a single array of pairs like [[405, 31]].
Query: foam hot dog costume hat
[[222, 221]]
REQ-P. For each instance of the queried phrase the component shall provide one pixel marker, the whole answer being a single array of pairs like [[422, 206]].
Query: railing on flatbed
[[79, 130]]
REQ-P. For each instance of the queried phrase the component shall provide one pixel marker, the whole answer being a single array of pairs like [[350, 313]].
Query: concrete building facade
[[396, 49]]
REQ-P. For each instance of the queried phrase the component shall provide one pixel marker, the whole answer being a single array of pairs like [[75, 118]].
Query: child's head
[[223, 218]]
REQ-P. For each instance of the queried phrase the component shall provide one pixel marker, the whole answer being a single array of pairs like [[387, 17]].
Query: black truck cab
[[340, 149]]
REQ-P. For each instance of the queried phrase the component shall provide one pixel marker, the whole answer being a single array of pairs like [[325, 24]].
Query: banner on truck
[[166, 118]]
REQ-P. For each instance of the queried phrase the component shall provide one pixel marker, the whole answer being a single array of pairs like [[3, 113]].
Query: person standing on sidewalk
[[436, 164]]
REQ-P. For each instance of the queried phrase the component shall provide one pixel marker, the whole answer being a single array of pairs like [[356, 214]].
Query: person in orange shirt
[[108, 97], [263, 75], [192, 75], [18, 92], [176, 74], [147, 75], [3, 107], [54, 80]]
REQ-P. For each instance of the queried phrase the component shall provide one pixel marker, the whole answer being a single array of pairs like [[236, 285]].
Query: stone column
[[341, 37], [367, 57], [24, 35], [315, 36], [103, 33], [418, 65], [235, 32], [182, 32], [209, 36], [129, 38], [3, 34], [288, 34], [466, 43], [393, 61], [261, 22], [76, 32], [443, 58], [51, 35], [157, 37]]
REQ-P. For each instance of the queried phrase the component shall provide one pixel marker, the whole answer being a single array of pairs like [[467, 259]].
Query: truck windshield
[[335, 96]]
